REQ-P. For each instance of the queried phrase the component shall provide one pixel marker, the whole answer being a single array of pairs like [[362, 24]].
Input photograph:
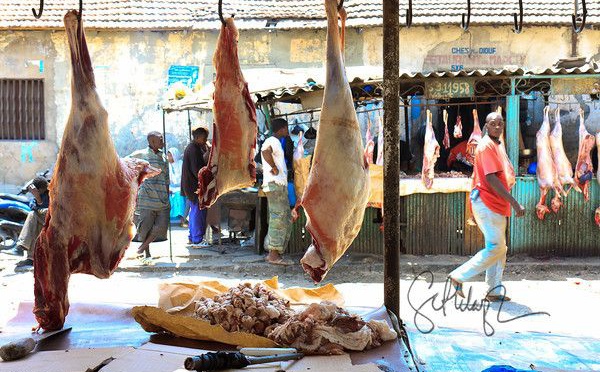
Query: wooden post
[[391, 152]]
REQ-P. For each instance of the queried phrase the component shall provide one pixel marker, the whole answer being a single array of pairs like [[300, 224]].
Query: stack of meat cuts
[[92, 195], [337, 192], [431, 152], [597, 214], [547, 174], [474, 138], [231, 163], [584, 169], [458, 127], [446, 141]]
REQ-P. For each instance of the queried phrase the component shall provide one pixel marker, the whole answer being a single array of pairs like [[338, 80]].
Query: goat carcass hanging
[[562, 164], [458, 127], [446, 141], [92, 195], [474, 138], [431, 152], [337, 192], [231, 162], [584, 168], [546, 170], [370, 146]]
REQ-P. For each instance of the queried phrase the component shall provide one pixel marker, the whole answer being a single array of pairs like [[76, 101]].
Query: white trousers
[[492, 257]]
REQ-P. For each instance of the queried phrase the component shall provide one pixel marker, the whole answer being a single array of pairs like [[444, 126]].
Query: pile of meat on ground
[[323, 328]]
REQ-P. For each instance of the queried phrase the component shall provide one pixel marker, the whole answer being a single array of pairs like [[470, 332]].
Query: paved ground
[[566, 289]]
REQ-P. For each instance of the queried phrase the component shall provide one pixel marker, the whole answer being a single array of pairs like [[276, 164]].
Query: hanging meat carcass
[[458, 127], [597, 214], [379, 141], [584, 168], [370, 144], [338, 185], [547, 175], [563, 165], [446, 141], [89, 223], [474, 138], [431, 152], [231, 162]]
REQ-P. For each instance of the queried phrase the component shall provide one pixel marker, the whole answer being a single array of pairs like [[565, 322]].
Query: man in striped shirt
[[152, 209]]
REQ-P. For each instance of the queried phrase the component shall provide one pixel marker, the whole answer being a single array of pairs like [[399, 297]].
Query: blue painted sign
[[188, 75]]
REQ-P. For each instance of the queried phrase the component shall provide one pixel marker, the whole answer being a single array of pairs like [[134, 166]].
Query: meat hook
[[465, 25], [340, 5], [574, 17], [409, 14], [221, 13], [35, 13], [519, 24]]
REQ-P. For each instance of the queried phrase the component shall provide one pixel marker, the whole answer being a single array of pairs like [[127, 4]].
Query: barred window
[[22, 109]]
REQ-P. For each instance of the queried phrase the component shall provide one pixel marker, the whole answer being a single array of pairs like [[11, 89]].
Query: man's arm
[[494, 181], [268, 155]]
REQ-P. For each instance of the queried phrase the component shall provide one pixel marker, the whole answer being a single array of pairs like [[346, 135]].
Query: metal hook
[[221, 13], [519, 24], [409, 14], [465, 25], [36, 14], [340, 5], [574, 17]]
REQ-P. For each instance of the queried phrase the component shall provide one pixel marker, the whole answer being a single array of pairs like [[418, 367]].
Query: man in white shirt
[[275, 180]]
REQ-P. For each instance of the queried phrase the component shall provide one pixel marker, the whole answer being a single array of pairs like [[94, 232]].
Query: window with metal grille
[[22, 109]]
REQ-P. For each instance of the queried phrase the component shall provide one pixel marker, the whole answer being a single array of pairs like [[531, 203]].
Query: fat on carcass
[[431, 152], [446, 141], [337, 192], [231, 162], [563, 165], [458, 127], [370, 144], [89, 223], [473, 139], [547, 174], [597, 214], [584, 168]]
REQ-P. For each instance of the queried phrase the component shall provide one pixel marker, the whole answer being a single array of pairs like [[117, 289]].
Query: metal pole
[[165, 153], [391, 151]]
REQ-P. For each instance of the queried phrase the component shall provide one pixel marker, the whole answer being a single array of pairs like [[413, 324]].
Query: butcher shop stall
[[450, 108]]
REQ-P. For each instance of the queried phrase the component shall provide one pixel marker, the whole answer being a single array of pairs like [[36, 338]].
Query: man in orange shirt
[[493, 177]]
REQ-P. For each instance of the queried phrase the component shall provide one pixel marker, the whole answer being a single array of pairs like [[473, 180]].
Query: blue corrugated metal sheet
[[369, 240], [435, 223], [570, 232]]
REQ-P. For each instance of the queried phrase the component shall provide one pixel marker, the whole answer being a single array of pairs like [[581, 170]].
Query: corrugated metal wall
[[369, 240], [570, 232], [435, 223]]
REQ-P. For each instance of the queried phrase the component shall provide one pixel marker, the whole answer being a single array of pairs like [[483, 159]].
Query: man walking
[[195, 157], [275, 180], [152, 209], [493, 177]]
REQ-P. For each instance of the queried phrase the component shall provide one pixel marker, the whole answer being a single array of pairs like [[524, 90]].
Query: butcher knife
[[20, 348], [222, 360]]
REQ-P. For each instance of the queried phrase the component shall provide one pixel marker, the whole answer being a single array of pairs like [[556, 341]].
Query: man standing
[[195, 157], [275, 179], [152, 209], [493, 177]]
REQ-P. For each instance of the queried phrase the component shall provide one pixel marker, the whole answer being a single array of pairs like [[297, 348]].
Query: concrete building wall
[[132, 69]]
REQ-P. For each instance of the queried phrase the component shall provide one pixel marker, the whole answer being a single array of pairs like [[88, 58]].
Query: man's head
[[155, 140], [280, 128], [200, 135], [494, 124], [40, 183]]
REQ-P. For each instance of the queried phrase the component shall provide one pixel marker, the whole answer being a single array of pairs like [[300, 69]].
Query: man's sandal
[[457, 286], [497, 298]]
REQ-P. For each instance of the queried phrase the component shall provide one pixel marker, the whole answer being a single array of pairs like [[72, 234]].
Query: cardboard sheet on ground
[[177, 301]]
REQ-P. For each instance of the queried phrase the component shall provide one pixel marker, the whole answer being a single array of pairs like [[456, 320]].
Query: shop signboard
[[449, 88]]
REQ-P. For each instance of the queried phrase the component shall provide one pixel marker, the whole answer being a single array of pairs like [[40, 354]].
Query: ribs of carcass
[[563, 165], [458, 127], [431, 152], [446, 141], [89, 223], [547, 175], [597, 214], [474, 138], [231, 162], [584, 168], [337, 192]]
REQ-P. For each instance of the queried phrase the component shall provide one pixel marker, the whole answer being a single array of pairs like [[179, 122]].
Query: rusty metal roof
[[288, 14]]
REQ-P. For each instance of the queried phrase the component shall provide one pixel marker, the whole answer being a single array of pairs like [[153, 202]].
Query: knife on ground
[[18, 349]]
